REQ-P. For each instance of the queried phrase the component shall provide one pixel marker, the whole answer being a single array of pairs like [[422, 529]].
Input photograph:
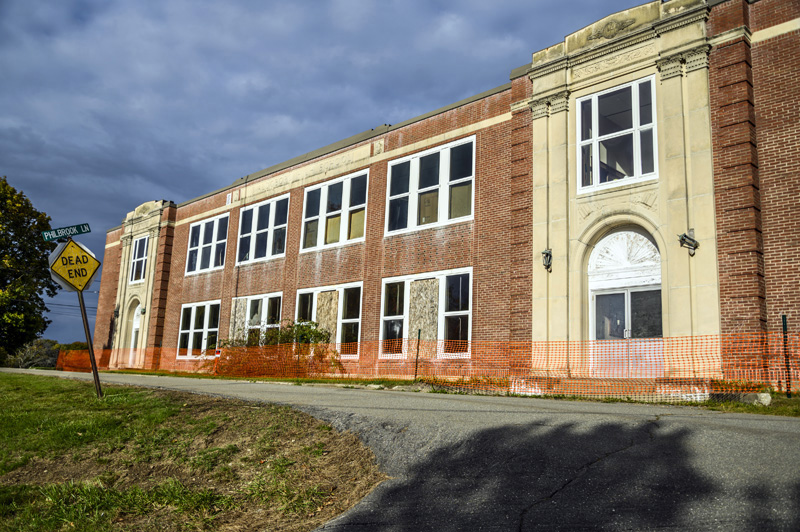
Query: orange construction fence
[[665, 369]]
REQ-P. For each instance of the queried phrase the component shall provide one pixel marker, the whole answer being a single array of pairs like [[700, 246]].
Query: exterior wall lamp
[[687, 241], [547, 259], [141, 311]]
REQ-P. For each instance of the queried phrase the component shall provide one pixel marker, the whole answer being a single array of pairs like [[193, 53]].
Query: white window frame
[[443, 188], [340, 288], [138, 244], [410, 336], [636, 130], [344, 212], [192, 330], [270, 230], [214, 243], [262, 325]]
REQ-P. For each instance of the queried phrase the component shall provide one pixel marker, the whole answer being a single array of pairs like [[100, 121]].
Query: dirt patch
[[284, 469]]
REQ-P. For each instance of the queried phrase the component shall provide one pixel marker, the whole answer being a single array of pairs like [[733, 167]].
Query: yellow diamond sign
[[75, 265]]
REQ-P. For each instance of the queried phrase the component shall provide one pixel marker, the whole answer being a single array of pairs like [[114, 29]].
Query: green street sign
[[65, 232]]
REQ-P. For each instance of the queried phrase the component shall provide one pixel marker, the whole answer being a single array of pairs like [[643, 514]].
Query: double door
[[627, 331]]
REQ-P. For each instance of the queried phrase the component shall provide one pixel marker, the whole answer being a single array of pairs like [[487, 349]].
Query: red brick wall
[[484, 243], [776, 78], [104, 321]]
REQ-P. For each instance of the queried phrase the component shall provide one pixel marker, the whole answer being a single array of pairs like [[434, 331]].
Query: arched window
[[625, 305]]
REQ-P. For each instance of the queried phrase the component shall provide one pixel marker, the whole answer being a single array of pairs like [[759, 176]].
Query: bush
[[74, 346], [41, 353]]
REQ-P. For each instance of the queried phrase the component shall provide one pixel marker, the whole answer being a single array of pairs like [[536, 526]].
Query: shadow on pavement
[[558, 477]]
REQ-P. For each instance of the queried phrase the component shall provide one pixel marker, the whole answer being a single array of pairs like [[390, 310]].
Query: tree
[[40, 353], [24, 271]]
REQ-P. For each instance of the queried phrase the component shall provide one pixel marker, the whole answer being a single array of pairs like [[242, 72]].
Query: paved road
[[499, 463]]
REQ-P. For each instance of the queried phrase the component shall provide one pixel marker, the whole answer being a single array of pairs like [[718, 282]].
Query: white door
[[137, 320]]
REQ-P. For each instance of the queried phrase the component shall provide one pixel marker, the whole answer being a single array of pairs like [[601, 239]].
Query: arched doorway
[[135, 327], [625, 317]]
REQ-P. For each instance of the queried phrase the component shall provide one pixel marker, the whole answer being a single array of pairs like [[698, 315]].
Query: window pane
[[199, 317], [244, 248], [137, 271], [429, 171], [609, 317], [616, 158], [614, 111], [186, 319], [312, 203], [358, 190], [351, 306], [332, 228], [274, 311], [304, 307], [461, 162], [399, 179], [211, 341], [586, 119], [457, 293], [461, 200], [393, 305], [222, 229], [194, 237], [192, 261], [183, 343], [247, 222], [335, 197], [263, 217], [355, 228], [208, 232], [197, 342], [311, 234], [456, 334], [205, 257], [646, 139], [281, 211], [349, 335], [219, 255], [392, 336], [646, 314], [398, 213], [279, 241], [428, 207], [254, 313], [586, 165], [261, 245], [213, 316], [645, 104]]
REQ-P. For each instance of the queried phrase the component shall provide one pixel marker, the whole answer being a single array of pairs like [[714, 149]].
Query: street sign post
[[65, 232], [73, 267]]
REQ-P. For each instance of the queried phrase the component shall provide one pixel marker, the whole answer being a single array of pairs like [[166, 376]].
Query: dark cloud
[[110, 104]]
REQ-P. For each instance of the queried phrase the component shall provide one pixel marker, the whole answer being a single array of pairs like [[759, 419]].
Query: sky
[[108, 104]]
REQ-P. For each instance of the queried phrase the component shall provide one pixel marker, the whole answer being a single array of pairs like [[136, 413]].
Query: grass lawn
[[157, 460]]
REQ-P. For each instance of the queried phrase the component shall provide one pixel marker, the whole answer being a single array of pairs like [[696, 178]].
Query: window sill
[[622, 184], [333, 246], [211, 270], [261, 260]]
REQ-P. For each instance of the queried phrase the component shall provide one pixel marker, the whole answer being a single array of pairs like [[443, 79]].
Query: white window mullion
[[413, 193]]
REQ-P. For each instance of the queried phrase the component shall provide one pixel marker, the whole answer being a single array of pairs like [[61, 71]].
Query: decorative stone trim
[[670, 67], [559, 102], [539, 109], [697, 59], [549, 68], [612, 28], [701, 16]]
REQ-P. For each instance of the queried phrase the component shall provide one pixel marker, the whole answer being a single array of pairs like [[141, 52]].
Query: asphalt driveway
[[463, 462]]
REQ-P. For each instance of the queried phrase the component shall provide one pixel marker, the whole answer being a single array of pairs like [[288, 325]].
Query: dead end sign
[[73, 266]]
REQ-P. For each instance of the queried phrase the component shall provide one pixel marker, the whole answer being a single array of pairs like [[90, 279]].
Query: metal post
[[786, 357], [416, 362], [91, 348]]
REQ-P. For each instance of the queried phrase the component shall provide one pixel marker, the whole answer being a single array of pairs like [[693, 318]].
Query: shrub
[[41, 353]]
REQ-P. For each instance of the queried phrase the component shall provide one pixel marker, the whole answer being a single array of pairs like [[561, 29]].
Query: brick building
[[635, 181]]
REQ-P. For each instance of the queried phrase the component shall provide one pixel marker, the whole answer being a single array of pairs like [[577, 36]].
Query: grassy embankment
[[155, 460]]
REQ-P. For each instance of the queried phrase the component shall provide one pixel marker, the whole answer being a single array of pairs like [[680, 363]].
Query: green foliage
[[289, 332], [74, 346], [24, 271], [40, 353]]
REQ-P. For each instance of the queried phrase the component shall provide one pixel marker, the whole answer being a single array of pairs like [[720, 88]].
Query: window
[[336, 309], [450, 319], [335, 212], [207, 241], [262, 230], [138, 259], [199, 329], [263, 313], [431, 188], [616, 132]]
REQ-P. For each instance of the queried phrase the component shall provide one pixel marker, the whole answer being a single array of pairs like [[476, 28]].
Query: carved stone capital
[[697, 59], [539, 108], [559, 102], [670, 67]]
